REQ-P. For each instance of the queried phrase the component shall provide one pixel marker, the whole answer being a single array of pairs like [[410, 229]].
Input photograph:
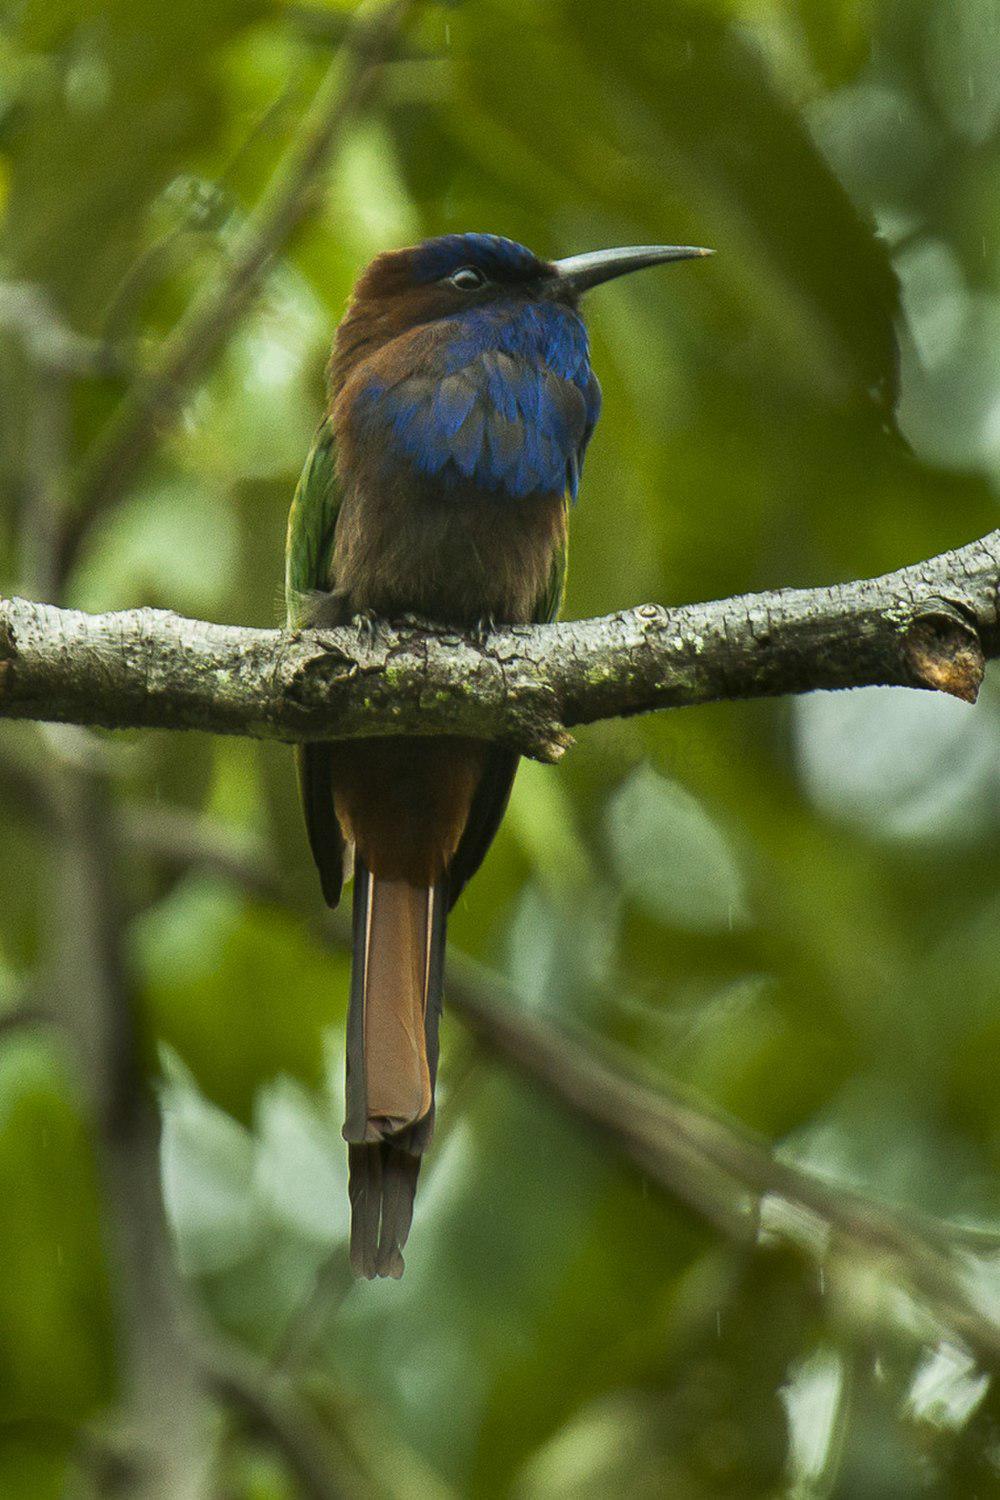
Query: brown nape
[[385, 304], [405, 802], [391, 298]]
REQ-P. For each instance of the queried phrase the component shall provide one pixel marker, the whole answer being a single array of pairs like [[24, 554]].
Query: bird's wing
[[485, 815], [551, 601], [312, 522], [493, 792]]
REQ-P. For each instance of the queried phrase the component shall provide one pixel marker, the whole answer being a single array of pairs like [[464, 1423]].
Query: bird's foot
[[483, 627], [411, 621], [366, 623], [323, 610]]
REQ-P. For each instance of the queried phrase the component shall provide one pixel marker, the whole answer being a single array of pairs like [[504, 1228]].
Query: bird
[[461, 401]]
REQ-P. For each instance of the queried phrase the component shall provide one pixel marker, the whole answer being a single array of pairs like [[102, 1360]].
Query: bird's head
[[456, 274], [466, 359]]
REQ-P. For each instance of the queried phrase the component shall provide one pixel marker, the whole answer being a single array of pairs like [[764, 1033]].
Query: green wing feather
[[312, 522], [551, 602]]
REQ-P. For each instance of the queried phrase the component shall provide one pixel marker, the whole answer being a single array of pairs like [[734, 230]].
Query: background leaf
[[670, 858]]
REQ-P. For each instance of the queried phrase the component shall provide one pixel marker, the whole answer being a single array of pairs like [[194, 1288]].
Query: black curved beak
[[578, 273]]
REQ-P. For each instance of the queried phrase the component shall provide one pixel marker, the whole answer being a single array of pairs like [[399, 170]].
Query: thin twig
[[150, 406]]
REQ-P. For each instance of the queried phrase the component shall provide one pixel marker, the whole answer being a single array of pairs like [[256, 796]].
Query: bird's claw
[[366, 623], [483, 627], [417, 622]]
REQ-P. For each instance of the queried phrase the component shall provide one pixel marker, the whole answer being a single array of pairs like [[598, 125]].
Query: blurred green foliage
[[790, 907]]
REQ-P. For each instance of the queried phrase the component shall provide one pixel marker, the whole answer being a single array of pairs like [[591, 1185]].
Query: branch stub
[[942, 651]]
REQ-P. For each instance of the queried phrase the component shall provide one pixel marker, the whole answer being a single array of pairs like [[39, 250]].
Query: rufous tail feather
[[392, 1054]]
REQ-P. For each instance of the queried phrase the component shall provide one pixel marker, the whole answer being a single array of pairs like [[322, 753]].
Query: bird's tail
[[392, 1054]]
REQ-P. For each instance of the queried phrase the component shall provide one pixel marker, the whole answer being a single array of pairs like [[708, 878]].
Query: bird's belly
[[459, 559]]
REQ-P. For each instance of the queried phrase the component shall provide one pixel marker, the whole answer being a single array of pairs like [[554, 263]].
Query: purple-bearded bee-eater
[[461, 403]]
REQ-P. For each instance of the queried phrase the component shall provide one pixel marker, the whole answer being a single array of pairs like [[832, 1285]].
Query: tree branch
[[932, 625], [163, 1431]]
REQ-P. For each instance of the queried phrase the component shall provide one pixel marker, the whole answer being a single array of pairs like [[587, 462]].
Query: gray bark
[[932, 625]]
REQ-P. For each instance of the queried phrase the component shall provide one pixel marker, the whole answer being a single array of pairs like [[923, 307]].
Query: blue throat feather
[[510, 402]]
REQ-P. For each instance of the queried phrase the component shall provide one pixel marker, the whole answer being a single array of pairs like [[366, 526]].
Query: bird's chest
[[457, 444], [404, 546]]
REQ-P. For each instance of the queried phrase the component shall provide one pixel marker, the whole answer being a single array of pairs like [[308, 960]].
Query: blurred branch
[[179, 838], [160, 1450], [162, 1431], [158, 1445], [724, 1172], [271, 1407], [173, 836], [932, 625], [711, 1162], [149, 407], [26, 1015], [321, 1430], [160, 1442]]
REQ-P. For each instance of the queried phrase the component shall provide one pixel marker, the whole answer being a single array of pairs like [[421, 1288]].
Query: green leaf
[[300, 1170], [671, 859], [901, 765], [208, 1178], [250, 996]]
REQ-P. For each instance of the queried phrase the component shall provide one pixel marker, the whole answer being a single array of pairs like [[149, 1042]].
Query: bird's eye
[[467, 279]]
